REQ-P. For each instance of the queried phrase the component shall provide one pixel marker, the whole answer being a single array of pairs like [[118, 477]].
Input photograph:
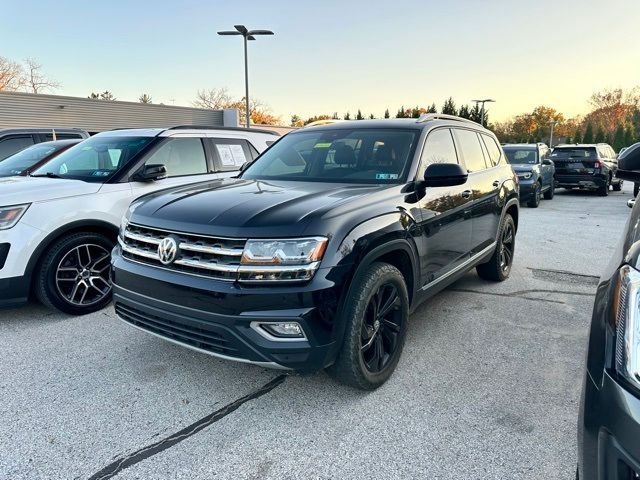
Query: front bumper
[[14, 291], [586, 182], [608, 433], [527, 190], [215, 316]]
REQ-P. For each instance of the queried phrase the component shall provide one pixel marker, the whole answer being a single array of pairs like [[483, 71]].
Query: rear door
[[229, 154], [444, 212], [484, 181]]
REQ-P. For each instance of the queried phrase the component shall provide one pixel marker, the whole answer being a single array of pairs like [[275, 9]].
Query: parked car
[[33, 157], [586, 166], [536, 172], [636, 185], [58, 226], [315, 255], [609, 422], [12, 140]]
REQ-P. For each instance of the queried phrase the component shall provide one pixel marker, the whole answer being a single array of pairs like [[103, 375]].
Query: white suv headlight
[[282, 259], [627, 308], [11, 215], [525, 176]]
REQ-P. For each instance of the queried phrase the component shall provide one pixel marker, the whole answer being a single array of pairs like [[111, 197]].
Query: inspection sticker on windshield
[[386, 176], [322, 145]]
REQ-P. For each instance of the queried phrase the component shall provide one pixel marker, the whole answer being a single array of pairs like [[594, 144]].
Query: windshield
[[16, 164], [574, 152], [349, 155], [519, 156], [95, 160]]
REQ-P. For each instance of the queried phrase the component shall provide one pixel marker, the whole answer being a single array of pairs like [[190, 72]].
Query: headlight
[[123, 223], [525, 176], [9, 216], [627, 302], [277, 260]]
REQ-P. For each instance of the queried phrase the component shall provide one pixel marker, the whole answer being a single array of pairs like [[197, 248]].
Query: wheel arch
[[91, 226]]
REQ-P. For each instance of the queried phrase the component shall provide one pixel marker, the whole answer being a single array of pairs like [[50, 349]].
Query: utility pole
[[482, 110], [553, 124], [247, 35]]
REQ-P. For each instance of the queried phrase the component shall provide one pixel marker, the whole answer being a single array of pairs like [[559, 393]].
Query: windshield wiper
[[48, 175]]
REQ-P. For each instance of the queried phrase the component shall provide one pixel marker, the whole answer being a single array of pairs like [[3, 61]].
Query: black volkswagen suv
[[609, 424], [317, 252]]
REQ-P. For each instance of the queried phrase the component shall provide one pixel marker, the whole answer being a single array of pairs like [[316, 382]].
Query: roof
[[523, 145], [580, 145], [411, 123]]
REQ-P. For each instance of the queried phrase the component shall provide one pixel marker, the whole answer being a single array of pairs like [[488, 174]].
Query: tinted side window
[[60, 136], [495, 152], [438, 148], [181, 156], [471, 150], [13, 144], [231, 153]]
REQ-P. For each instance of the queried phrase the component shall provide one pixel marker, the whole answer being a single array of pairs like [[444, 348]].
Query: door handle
[[496, 183], [466, 194]]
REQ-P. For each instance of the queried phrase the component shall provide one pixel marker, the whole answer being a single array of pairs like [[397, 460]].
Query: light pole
[[482, 112], [246, 35], [553, 124]]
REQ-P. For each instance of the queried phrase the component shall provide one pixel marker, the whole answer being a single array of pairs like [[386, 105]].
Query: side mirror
[[631, 202], [629, 164], [444, 175], [150, 173], [546, 161]]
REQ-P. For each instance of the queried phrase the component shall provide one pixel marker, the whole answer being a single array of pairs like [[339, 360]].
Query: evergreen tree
[[432, 108], [600, 136], [400, 113], [415, 113], [577, 137], [359, 115], [618, 139], [296, 121], [476, 113], [386, 113], [449, 107], [347, 116], [335, 116], [371, 117], [588, 134], [629, 136], [464, 112]]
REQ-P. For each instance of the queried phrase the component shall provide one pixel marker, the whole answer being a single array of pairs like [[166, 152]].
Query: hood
[[240, 208], [522, 167], [17, 190]]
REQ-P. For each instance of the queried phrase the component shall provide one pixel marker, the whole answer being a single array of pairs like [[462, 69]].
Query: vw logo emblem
[[167, 250]]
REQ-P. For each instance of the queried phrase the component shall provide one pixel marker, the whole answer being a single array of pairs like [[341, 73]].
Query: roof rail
[[327, 121], [212, 127], [426, 117]]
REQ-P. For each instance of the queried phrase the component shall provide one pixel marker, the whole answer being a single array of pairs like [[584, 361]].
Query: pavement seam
[[522, 293], [126, 461]]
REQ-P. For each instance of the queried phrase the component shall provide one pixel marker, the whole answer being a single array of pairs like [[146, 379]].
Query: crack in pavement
[[126, 461], [522, 293], [564, 272]]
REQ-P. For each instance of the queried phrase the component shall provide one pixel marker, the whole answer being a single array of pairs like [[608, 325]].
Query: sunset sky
[[336, 55]]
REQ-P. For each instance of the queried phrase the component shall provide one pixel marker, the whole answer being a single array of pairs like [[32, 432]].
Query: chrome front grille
[[197, 254]]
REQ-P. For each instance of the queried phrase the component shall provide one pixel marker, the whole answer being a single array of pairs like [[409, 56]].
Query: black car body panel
[[534, 170], [609, 420], [432, 235], [588, 172]]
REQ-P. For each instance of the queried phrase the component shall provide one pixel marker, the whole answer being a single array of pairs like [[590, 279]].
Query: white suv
[[58, 226]]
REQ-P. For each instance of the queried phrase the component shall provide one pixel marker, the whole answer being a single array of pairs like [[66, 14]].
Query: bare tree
[[144, 98], [215, 98], [35, 80], [106, 95], [219, 98], [12, 75]]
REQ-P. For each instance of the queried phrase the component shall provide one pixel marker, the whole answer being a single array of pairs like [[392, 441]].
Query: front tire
[[73, 276], [537, 194], [376, 314], [498, 267]]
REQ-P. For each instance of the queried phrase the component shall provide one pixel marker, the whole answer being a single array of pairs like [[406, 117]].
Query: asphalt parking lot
[[487, 386]]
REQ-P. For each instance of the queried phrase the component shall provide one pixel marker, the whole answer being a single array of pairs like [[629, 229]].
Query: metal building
[[19, 109]]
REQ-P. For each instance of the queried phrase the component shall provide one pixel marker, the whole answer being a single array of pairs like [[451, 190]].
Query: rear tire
[[603, 191], [376, 314], [636, 189], [548, 195], [73, 275], [498, 268]]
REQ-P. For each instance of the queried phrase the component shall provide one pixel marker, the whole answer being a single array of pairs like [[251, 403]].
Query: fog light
[[279, 330]]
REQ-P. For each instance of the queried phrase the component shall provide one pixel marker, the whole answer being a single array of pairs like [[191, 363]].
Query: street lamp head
[[260, 32], [250, 37], [241, 28], [229, 33]]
